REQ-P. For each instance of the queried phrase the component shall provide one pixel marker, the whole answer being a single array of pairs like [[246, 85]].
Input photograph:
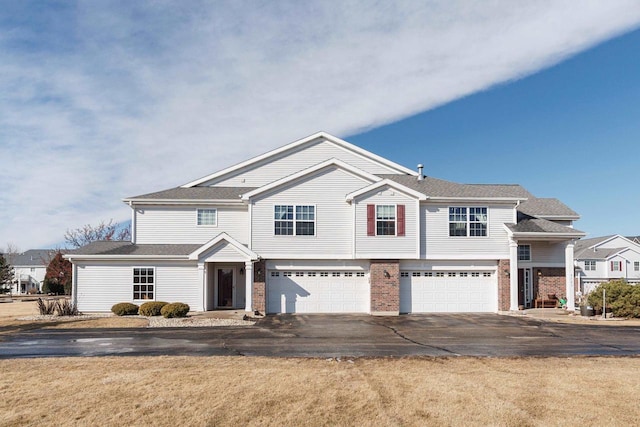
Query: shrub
[[125, 309], [46, 307], [151, 308], [65, 308], [622, 298], [176, 309], [52, 287]]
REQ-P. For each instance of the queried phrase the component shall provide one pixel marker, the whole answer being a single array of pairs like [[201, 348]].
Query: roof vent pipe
[[420, 174]]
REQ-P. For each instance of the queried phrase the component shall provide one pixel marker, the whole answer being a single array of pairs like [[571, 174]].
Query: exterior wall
[[552, 281], [272, 169], [435, 242], [385, 291], [172, 224], [544, 254], [504, 285], [31, 276], [334, 217], [385, 246], [103, 284], [259, 294], [601, 271]]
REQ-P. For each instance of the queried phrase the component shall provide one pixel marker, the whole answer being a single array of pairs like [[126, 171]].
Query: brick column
[[384, 277], [259, 291], [552, 281], [504, 285]]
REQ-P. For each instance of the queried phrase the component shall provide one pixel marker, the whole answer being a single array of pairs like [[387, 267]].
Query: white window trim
[[636, 266], [530, 253], [591, 261], [468, 235], [155, 282], [395, 208], [618, 263], [207, 209], [295, 206]]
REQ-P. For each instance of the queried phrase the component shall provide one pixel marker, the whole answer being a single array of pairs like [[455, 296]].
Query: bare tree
[[91, 233], [10, 252]]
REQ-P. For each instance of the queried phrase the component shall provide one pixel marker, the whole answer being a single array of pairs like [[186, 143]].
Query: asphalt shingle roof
[[197, 193], [110, 247], [34, 257], [434, 187], [546, 207], [583, 244], [538, 225], [602, 253]]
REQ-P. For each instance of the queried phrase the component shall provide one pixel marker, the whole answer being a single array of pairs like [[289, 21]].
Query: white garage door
[[448, 292], [317, 292]]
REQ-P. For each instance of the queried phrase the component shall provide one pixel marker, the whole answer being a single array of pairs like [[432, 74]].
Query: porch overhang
[[223, 248]]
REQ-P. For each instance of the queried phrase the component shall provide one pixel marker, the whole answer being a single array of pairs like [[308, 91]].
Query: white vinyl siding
[[548, 254], [333, 217], [273, 169], [179, 225], [386, 246], [103, 284], [437, 244]]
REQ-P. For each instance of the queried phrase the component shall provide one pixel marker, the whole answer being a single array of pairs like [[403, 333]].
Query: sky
[[103, 100]]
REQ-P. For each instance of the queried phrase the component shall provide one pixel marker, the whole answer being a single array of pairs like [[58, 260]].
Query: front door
[[525, 287], [225, 287]]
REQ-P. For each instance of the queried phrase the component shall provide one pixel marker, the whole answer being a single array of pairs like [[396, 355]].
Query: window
[[275, 274], [348, 274], [292, 220], [299, 274], [385, 220], [590, 266], [486, 274], [404, 274], [616, 265], [311, 274], [324, 274], [143, 283], [451, 274], [463, 274], [335, 274], [524, 252], [287, 274], [415, 274], [475, 274], [439, 274], [208, 217], [428, 274], [360, 274], [465, 221], [636, 265]]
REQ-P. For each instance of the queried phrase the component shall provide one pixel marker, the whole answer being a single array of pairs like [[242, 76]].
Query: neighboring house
[[601, 259], [323, 226], [30, 267]]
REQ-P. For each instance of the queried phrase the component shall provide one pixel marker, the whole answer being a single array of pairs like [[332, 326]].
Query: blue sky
[[571, 131], [108, 99]]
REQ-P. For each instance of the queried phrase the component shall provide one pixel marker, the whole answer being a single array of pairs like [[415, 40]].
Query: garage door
[[317, 292], [447, 292]]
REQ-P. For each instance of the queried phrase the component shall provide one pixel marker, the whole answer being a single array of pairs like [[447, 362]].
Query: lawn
[[263, 391]]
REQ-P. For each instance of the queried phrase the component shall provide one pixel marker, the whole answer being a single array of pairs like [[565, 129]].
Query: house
[[323, 226], [29, 268], [601, 259]]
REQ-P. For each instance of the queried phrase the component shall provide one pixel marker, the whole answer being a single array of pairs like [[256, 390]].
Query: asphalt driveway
[[340, 336]]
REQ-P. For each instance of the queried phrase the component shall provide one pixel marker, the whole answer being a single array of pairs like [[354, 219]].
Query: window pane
[[457, 229], [386, 228], [207, 216], [385, 212], [305, 228], [305, 213], [283, 212], [284, 228]]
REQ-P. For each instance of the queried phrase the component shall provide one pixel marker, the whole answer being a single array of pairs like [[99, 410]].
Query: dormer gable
[[297, 156]]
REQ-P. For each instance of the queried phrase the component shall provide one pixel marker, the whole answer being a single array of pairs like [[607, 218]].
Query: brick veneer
[[385, 291], [552, 281], [259, 288], [504, 285]]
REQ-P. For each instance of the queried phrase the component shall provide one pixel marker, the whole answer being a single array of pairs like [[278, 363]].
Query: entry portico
[[221, 263]]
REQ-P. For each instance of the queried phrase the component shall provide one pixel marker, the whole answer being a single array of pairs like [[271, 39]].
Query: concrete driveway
[[340, 336]]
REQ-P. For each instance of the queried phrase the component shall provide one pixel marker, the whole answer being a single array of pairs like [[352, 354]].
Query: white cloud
[[100, 101]]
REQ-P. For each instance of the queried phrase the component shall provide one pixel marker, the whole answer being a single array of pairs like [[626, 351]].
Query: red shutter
[[400, 220], [612, 266], [371, 220]]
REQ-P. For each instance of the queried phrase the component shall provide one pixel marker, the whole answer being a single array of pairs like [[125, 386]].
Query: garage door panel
[[452, 292], [312, 292]]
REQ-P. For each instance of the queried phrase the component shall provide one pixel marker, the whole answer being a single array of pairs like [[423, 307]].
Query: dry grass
[[262, 391], [10, 312]]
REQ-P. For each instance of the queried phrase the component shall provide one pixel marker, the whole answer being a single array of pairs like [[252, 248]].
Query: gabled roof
[[547, 208], [438, 188], [311, 139], [34, 257], [309, 171], [193, 194], [224, 237], [589, 248], [383, 183], [107, 248], [530, 227]]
